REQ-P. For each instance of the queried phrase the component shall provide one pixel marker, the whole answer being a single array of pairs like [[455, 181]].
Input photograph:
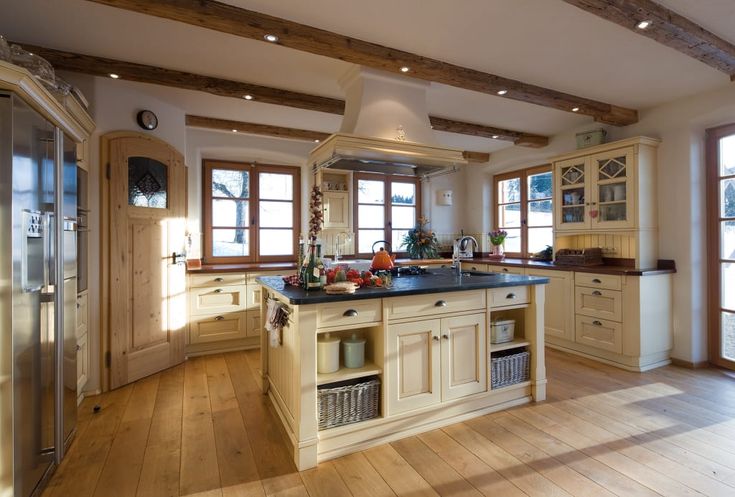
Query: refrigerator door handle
[[49, 257]]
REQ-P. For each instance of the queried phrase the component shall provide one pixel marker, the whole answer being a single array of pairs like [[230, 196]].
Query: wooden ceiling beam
[[284, 132], [100, 66], [233, 20], [666, 27]]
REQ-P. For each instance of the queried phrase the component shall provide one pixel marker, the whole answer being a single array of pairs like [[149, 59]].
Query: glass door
[[571, 180], [721, 244], [612, 202]]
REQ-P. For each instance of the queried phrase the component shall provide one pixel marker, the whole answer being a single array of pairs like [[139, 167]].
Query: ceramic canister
[[354, 351], [327, 354]]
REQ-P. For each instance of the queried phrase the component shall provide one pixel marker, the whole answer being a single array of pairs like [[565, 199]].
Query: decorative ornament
[[316, 218]]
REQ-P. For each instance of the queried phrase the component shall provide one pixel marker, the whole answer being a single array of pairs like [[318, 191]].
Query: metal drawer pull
[[440, 303], [505, 269], [218, 290], [445, 337], [219, 280], [597, 280], [510, 296], [350, 313], [219, 318], [597, 293], [597, 323], [436, 338]]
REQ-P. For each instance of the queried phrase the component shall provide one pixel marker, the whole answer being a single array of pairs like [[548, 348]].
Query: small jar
[[353, 350], [327, 354]]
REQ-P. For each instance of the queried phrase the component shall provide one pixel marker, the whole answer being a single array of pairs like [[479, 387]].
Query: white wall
[[681, 197]]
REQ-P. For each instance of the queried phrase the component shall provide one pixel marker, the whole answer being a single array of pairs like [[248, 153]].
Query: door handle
[[445, 337], [350, 313], [597, 293], [440, 303], [219, 279], [435, 338], [597, 323], [219, 318], [597, 280], [218, 290], [179, 258], [510, 296]]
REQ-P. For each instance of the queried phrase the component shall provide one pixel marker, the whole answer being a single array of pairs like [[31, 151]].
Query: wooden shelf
[[342, 374], [497, 347]]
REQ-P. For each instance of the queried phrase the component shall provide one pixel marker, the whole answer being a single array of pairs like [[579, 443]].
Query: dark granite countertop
[[663, 266], [436, 281]]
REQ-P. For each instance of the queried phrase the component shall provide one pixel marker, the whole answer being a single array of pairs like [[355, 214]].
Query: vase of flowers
[[421, 242], [497, 239]]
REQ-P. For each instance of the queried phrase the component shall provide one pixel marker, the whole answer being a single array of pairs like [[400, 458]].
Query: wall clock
[[147, 120]]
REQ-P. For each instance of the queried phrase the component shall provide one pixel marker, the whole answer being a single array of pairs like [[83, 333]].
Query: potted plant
[[421, 242], [497, 239]]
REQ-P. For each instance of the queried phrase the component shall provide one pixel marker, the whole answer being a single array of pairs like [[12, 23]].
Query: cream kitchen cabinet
[[435, 360], [336, 206], [559, 308], [607, 187], [505, 269]]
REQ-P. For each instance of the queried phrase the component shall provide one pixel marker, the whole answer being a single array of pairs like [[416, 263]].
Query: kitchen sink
[[478, 274]]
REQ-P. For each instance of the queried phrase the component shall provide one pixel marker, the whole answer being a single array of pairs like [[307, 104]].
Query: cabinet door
[[253, 323], [463, 356], [82, 363], [336, 209], [413, 361], [571, 194], [558, 303], [612, 193]]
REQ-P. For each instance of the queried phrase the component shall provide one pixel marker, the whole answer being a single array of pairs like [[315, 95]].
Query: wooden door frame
[[104, 322], [714, 309]]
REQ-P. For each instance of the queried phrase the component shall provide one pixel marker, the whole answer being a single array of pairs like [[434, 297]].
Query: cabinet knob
[[597, 280], [219, 280], [510, 296], [219, 318], [597, 323], [436, 338], [218, 290], [79, 347], [597, 293], [440, 303], [445, 337], [350, 313]]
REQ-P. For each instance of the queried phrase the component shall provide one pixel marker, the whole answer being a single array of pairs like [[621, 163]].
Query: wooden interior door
[[147, 282]]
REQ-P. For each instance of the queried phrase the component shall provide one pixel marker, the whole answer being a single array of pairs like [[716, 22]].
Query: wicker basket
[[341, 404], [579, 257], [509, 369]]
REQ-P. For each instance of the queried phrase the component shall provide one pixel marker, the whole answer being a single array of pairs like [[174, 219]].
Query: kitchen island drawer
[[426, 305], [510, 295], [594, 280], [226, 326], [217, 300], [505, 269], [349, 313], [208, 280], [605, 304], [599, 333]]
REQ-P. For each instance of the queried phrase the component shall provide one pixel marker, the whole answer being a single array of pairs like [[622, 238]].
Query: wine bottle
[[311, 277]]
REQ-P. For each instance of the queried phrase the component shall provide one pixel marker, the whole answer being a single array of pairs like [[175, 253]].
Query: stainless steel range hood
[[356, 153], [385, 129]]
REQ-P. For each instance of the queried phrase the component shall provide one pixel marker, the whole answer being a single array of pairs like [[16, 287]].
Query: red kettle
[[382, 260]]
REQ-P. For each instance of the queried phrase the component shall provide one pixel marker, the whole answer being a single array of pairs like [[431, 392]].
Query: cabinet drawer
[[471, 266], [253, 324], [425, 305], [221, 327], [593, 280], [605, 304], [253, 295], [347, 313], [214, 300], [599, 333], [510, 295], [202, 280], [505, 269]]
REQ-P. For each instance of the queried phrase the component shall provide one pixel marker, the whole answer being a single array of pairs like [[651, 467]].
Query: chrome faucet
[[460, 244]]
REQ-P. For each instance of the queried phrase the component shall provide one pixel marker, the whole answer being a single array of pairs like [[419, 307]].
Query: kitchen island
[[428, 350]]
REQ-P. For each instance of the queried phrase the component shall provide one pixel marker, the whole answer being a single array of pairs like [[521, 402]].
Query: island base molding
[[635, 364]]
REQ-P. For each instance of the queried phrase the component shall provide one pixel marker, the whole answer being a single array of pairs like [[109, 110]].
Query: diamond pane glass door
[[612, 188], [572, 178]]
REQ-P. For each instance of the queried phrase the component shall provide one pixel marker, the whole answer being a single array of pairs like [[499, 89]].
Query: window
[[250, 212], [523, 209], [386, 208]]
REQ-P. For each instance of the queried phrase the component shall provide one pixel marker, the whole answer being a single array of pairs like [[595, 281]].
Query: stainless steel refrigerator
[[38, 191]]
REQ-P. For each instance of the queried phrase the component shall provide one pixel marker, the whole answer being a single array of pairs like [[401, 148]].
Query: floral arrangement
[[317, 213], [497, 237], [421, 242]]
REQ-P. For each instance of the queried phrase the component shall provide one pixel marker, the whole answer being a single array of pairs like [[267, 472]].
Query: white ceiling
[[543, 42]]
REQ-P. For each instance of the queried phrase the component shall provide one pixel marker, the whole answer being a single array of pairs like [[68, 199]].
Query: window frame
[[387, 180], [253, 206], [523, 175]]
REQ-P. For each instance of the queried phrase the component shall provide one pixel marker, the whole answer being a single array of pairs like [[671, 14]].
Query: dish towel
[[276, 317]]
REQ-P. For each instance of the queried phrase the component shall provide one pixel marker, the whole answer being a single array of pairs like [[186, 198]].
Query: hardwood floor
[[204, 429]]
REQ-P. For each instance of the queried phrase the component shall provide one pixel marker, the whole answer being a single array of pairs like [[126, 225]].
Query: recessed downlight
[[495, 137], [405, 69], [234, 131], [247, 97], [575, 109], [114, 76], [643, 24], [271, 38], [316, 140], [502, 92]]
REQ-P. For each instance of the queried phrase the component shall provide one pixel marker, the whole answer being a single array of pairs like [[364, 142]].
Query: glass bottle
[[312, 277], [320, 265]]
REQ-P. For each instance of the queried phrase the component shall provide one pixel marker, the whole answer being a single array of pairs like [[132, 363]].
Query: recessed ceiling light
[[502, 92], [316, 141], [271, 38], [575, 109], [114, 76], [248, 97], [495, 137], [405, 69], [234, 131], [643, 24]]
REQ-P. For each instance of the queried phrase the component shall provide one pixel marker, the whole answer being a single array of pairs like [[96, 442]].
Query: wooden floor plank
[[324, 481], [124, 462], [251, 489], [199, 469], [397, 473], [432, 468], [360, 477], [286, 485], [484, 478], [234, 455], [162, 460]]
